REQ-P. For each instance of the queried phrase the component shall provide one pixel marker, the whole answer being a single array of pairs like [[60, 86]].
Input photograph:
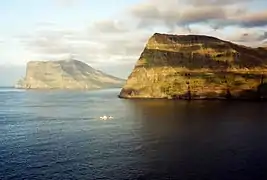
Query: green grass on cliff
[[202, 64], [178, 83]]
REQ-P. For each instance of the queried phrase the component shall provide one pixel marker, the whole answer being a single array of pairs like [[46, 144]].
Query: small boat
[[105, 117]]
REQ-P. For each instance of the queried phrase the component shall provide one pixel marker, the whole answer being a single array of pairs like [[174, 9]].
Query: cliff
[[197, 67], [65, 74]]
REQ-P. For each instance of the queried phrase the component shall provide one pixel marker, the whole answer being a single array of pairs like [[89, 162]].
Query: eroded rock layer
[[197, 67]]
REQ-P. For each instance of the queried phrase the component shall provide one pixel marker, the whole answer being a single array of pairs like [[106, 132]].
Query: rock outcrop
[[197, 67], [66, 74]]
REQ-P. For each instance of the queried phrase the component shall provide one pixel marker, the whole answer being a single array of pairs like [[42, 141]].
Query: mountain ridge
[[66, 74], [196, 67]]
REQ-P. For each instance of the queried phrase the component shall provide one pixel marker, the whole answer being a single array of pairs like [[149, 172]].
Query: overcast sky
[[110, 34]]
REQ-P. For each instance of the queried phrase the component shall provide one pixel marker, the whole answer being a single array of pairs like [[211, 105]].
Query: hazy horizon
[[110, 34], [16, 72]]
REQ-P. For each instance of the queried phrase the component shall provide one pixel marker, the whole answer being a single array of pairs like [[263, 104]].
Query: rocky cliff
[[197, 67], [65, 74]]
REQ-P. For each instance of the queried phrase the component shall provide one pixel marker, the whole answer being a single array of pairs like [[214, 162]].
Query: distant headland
[[66, 74]]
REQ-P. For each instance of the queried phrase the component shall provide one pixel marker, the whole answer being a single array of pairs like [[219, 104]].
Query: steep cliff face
[[65, 74], [197, 67]]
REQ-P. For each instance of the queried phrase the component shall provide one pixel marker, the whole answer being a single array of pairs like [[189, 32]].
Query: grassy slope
[[201, 66]]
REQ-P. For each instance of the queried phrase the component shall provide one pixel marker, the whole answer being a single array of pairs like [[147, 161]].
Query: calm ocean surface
[[58, 135]]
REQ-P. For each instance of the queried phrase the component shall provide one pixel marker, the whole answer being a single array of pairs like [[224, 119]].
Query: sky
[[110, 34]]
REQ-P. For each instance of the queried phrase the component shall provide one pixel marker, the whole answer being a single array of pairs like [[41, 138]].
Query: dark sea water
[[58, 135]]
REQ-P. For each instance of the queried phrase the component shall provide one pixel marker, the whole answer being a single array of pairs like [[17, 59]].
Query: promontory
[[66, 74], [197, 67]]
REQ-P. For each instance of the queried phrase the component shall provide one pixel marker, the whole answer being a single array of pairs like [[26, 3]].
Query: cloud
[[248, 37], [149, 14], [106, 42], [109, 26], [216, 2], [121, 41], [216, 13], [195, 15], [258, 19], [54, 43], [67, 3], [264, 36]]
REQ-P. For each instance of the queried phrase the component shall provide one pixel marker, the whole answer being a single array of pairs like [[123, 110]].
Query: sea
[[59, 135]]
